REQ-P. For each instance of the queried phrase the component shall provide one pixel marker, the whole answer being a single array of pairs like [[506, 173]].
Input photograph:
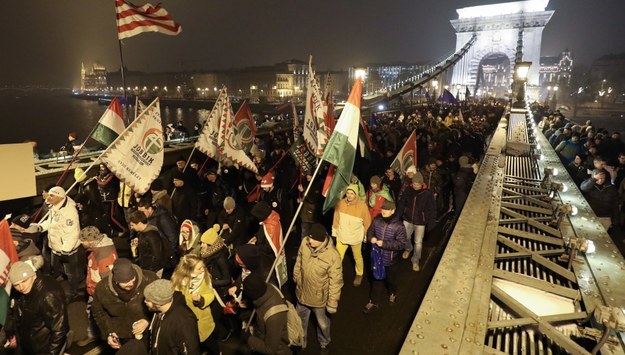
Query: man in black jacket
[[118, 306], [148, 248], [174, 326], [39, 318]]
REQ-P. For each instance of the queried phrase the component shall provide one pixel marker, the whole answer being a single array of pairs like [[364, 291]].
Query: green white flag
[[341, 148], [111, 124]]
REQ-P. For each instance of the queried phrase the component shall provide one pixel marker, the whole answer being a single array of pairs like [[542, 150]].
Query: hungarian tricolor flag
[[341, 148], [111, 124], [407, 156], [133, 20]]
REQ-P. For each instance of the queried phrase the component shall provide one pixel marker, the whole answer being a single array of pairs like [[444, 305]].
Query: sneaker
[[357, 280], [391, 298], [85, 341], [370, 308], [405, 254], [415, 267]]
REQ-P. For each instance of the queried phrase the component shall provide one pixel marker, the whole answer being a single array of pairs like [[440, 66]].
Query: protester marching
[[179, 260]]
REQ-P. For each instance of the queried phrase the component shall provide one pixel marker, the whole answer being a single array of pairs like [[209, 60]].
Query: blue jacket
[[393, 235]]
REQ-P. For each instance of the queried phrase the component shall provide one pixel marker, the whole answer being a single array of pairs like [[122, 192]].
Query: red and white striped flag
[[132, 20]]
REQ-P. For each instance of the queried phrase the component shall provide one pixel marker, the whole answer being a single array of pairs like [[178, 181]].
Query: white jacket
[[63, 227]]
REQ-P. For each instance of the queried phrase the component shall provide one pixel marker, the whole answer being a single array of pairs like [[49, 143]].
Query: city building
[[93, 80]]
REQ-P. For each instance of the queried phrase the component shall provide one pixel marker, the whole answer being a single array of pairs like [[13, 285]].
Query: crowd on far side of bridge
[[593, 157]]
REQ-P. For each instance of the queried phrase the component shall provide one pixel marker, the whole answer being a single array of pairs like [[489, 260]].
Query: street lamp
[[521, 70], [554, 99], [434, 86]]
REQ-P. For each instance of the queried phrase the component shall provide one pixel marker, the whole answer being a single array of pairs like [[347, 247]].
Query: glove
[[331, 310]]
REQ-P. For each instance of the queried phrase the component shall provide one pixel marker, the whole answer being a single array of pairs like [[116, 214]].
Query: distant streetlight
[[360, 73]]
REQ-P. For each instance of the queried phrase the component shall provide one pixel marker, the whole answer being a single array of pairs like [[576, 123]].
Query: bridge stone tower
[[497, 27]]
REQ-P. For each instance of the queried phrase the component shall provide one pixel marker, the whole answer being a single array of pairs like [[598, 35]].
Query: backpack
[[293, 320]]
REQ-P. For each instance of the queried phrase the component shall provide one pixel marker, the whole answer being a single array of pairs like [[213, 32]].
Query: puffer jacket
[[351, 221], [100, 263], [63, 227], [318, 274], [418, 207], [112, 314], [39, 319], [393, 235]]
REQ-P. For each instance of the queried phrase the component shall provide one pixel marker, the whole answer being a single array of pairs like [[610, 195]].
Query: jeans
[[72, 266], [419, 232], [323, 323], [357, 251]]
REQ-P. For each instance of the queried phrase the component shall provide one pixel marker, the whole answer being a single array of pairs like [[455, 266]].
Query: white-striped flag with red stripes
[[132, 20]]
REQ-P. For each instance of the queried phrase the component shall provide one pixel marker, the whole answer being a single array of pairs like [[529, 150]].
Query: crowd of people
[[182, 267], [595, 160]]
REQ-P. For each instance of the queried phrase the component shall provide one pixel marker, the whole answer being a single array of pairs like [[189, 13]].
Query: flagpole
[[104, 152], [61, 179], [288, 233]]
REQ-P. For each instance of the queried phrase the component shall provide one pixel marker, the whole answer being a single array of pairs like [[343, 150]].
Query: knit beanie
[[353, 187], [375, 180], [318, 232], [417, 178], [20, 271], [159, 292], [463, 160], [249, 255], [123, 271], [411, 169], [254, 286], [261, 210], [210, 236], [157, 185], [57, 191], [90, 234]]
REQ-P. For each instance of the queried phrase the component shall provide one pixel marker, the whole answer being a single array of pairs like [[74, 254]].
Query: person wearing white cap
[[38, 319], [63, 228]]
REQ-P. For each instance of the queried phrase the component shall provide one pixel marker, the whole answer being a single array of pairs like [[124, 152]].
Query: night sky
[[45, 41]]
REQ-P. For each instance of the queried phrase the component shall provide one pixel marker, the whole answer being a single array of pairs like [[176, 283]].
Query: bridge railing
[[511, 279]]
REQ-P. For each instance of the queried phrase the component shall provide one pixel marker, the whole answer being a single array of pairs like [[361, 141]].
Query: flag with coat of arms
[[136, 156]]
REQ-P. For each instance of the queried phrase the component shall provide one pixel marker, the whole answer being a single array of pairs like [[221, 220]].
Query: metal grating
[[516, 292]]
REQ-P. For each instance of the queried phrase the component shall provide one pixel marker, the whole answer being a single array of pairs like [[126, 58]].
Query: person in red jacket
[[101, 255]]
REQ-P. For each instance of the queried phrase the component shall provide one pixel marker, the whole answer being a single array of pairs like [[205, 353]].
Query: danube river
[[47, 116]]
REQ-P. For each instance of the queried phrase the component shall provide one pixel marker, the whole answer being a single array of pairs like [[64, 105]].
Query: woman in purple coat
[[388, 233]]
